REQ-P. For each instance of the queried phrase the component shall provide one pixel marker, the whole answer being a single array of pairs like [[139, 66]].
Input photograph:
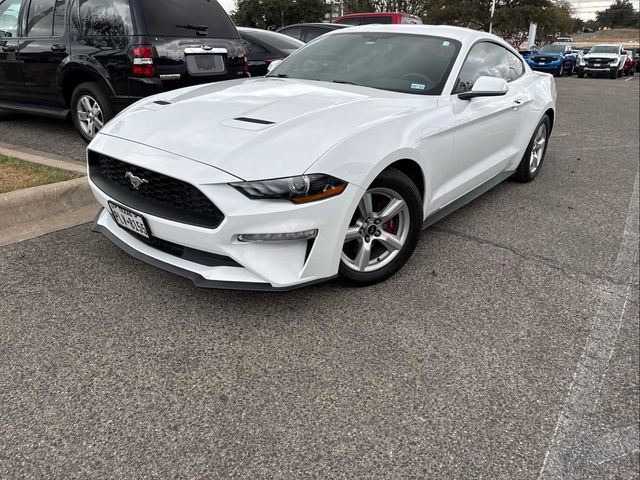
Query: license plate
[[205, 64], [129, 220], [596, 64], [543, 63]]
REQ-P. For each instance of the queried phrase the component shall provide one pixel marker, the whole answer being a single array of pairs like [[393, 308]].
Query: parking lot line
[[630, 78], [572, 429]]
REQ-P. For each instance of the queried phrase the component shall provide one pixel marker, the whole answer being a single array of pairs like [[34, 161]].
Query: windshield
[[187, 18], [552, 49], [604, 49], [406, 63]]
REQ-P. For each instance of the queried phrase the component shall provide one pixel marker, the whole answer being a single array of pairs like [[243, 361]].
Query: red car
[[629, 64], [382, 18]]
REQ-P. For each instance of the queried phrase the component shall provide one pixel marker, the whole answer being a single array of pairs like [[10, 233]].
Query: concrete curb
[[41, 158], [32, 212]]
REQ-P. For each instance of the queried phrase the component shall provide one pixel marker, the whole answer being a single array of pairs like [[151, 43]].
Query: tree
[[273, 14], [620, 14]]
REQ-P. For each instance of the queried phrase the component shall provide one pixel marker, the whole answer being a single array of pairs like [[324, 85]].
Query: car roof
[[463, 35], [376, 14], [328, 26]]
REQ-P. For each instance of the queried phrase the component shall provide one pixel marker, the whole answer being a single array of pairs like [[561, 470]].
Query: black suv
[[91, 58]]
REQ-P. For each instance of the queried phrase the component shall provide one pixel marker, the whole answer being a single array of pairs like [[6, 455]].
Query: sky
[[585, 9]]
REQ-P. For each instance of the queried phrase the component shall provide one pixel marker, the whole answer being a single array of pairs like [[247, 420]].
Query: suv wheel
[[534, 156], [90, 110], [384, 230]]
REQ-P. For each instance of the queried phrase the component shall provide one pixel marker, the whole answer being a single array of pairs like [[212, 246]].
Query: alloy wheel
[[538, 148], [90, 116], [377, 232]]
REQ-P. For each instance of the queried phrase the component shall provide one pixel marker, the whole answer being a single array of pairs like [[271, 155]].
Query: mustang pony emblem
[[136, 182]]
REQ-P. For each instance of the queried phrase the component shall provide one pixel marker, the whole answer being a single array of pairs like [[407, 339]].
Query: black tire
[[626, 73], [613, 74], [580, 73], [619, 73], [632, 72], [93, 91], [402, 185], [559, 72], [523, 173]]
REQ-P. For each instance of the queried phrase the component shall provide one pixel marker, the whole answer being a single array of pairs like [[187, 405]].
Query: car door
[[42, 50], [11, 83], [485, 127]]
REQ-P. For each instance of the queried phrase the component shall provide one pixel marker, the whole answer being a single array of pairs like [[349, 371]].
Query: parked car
[[635, 51], [556, 58], [305, 32], [525, 53], [562, 39], [629, 67], [588, 30], [326, 166], [90, 59], [394, 18], [603, 59], [264, 47]]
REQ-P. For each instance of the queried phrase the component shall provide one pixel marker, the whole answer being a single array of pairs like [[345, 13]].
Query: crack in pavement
[[601, 284]]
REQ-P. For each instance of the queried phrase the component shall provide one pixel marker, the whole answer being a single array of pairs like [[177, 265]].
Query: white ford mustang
[[330, 165]]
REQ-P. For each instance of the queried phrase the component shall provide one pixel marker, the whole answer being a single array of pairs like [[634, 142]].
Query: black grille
[[161, 195], [602, 61], [190, 254], [545, 59]]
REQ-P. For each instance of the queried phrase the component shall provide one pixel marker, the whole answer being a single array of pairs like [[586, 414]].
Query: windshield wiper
[[344, 81], [198, 28], [281, 75]]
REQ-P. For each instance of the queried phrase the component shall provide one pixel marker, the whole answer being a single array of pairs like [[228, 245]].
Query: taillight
[[142, 61], [245, 65]]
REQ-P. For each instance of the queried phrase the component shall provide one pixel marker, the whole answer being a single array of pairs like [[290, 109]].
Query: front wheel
[[531, 163], [90, 110], [619, 73], [580, 73], [383, 231]]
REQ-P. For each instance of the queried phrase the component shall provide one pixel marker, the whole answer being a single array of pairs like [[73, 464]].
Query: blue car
[[556, 59]]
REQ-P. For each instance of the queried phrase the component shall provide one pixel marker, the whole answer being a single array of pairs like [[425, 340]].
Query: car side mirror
[[272, 66], [486, 87]]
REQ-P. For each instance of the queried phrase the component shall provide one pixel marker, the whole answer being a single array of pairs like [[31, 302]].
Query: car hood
[[612, 56], [259, 128], [547, 55]]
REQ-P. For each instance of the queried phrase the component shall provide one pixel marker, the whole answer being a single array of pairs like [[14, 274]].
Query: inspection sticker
[[418, 86]]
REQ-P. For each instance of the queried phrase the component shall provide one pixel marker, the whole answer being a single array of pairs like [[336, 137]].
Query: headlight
[[300, 189], [582, 63], [615, 62]]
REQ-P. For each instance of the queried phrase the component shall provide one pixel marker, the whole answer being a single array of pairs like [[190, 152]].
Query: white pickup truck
[[603, 59]]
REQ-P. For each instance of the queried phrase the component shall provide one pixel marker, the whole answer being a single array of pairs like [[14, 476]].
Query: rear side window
[[59, 16], [313, 33], [109, 18], [187, 18], [485, 59], [293, 32], [406, 20], [9, 10], [40, 18]]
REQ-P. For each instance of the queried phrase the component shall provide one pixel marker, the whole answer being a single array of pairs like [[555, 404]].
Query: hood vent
[[162, 102], [254, 120]]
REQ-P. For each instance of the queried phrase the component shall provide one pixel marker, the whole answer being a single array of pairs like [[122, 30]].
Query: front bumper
[[260, 266]]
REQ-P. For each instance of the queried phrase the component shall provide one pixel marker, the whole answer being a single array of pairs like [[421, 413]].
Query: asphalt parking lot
[[506, 349]]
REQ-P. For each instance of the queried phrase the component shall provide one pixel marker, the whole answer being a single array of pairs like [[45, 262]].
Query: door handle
[[59, 48], [9, 48]]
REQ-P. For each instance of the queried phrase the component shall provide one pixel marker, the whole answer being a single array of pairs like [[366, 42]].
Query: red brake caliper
[[390, 226]]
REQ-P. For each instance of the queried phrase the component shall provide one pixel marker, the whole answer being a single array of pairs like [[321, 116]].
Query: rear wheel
[[383, 231], [531, 163], [619, 73], [90, 110]]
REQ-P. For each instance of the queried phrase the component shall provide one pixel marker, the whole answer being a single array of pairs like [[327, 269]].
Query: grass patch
[[16, 174]]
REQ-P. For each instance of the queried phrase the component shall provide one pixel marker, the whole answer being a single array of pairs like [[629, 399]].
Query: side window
[[40, 18], [254, 49], [59, 16], [313, 33], [9, 10], [294, 32], [108, 18], [516, 69], [485, 59]]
